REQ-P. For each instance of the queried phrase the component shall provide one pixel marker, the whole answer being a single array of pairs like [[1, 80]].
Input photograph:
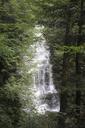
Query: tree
[[78, 66], [60, 19], [15, 22]]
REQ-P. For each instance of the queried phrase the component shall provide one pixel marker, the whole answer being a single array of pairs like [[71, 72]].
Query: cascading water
[[45, 95]]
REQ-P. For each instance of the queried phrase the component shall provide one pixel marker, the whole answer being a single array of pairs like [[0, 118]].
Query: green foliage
[[70, 49], [16, 23], [64, 33], [9, 108]]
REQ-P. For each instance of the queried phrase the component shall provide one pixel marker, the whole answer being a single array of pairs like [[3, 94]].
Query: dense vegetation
[[64, 31], [64, 21]]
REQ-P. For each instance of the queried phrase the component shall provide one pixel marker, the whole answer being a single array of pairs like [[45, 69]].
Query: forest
[[42, 63]]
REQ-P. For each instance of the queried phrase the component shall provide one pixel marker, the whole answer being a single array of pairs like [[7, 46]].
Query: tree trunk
[[64, 93], [78, 67]]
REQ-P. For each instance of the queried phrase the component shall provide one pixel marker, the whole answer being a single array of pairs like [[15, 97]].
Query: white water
[[45, 95]]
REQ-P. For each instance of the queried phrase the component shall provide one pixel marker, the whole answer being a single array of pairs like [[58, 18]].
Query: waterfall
[[45, 95]]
